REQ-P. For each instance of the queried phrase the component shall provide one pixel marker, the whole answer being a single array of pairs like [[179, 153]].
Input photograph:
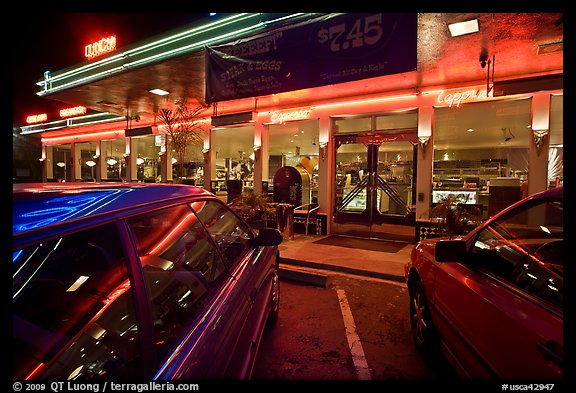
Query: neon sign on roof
[[36, 118], [77, 110], [98, 48]]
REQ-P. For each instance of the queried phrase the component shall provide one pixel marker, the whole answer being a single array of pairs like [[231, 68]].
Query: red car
[[491, 301]]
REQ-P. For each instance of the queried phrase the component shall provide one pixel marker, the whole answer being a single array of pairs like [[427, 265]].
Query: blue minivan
[[128, 281]]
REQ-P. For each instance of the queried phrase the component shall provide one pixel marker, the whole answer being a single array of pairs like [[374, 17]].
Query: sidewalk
[[303, 259]]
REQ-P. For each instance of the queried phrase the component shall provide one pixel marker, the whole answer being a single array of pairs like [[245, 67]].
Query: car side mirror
[[450, 250], [269, 237]]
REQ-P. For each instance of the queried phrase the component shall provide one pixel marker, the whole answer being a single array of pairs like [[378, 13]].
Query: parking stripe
[[358, 357]]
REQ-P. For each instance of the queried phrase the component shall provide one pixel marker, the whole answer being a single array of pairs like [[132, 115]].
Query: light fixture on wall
[[423, 143], [539, 136], [461, 28], [323, 149]]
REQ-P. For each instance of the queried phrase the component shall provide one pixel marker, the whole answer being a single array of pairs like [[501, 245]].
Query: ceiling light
[[461, 28], [159, 92]]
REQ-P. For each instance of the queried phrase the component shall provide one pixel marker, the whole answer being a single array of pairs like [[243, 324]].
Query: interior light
[[159, 92], [461, 28], [90, 163], [61, 164], [470, 130], [139, 161]]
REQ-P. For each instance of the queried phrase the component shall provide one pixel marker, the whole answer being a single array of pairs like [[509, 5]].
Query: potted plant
[[254, 207], [453, 217]]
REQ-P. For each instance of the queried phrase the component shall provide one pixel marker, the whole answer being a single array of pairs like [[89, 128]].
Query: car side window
[[232, 236], [524, 248], [181, 266], [73, 315]]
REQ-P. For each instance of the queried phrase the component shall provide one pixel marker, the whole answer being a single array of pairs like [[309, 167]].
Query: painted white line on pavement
[[358, 357]]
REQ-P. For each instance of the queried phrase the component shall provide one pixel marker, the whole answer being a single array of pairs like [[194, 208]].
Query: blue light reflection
[[62, 208]]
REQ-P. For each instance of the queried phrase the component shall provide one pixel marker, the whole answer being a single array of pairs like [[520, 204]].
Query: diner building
[[374, 116]]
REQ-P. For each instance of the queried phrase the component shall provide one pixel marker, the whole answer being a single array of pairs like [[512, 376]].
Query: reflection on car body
[[130, 281], [492, 300]]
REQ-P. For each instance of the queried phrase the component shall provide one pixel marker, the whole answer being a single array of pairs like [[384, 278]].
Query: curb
[[343, 269], [304, 277]]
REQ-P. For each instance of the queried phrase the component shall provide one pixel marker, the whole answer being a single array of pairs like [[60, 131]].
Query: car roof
[[46, 205]]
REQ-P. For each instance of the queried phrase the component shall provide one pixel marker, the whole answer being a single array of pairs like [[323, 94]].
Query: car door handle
[[253, 294], [552, 351]]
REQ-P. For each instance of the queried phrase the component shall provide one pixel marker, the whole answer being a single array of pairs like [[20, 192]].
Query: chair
[[311, 217]]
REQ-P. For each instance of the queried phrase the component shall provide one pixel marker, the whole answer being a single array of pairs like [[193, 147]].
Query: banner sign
[[331, 49]]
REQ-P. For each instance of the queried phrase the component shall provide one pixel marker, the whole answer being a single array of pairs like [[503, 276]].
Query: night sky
[[54, 41]]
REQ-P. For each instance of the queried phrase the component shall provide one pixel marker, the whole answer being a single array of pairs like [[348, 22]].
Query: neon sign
[[280, 117], [77, 110], [458, 97], [36, 118], [98, 48]]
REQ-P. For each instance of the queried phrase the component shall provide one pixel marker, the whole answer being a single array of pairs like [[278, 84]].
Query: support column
[[209, 159], [325, 168], [258, 155], [425, 161], [76, 161], [539, 144], [98, 161]]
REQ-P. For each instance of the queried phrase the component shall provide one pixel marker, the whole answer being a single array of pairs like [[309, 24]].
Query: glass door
[[374, 185]]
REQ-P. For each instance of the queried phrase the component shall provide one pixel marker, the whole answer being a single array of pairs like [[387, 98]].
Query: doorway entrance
[[375, 181]]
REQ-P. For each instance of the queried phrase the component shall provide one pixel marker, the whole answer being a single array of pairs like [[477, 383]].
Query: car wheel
[[275, 301], [423, 331]]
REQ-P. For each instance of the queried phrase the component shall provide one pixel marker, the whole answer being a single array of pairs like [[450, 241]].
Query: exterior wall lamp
[[323, 149], [423, 143], [539, 136]]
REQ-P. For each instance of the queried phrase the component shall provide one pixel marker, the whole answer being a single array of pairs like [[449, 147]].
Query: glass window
[[525, 249], [352, 124], [180, 264], [62, 163], [295, 143], [112, 155], [556, 150], [146, 149], [232, 236], [234, 153], [85, 152], [73, 315], [193, 164], [478, 142], [397, 121]]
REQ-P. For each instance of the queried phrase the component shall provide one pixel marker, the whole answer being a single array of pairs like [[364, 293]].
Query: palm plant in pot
[[254, 207]]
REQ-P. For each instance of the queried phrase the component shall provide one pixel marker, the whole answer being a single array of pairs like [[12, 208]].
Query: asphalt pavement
[[304, 258]]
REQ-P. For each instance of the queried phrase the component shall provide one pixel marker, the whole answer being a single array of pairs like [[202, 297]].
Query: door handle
[[552, 351]]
